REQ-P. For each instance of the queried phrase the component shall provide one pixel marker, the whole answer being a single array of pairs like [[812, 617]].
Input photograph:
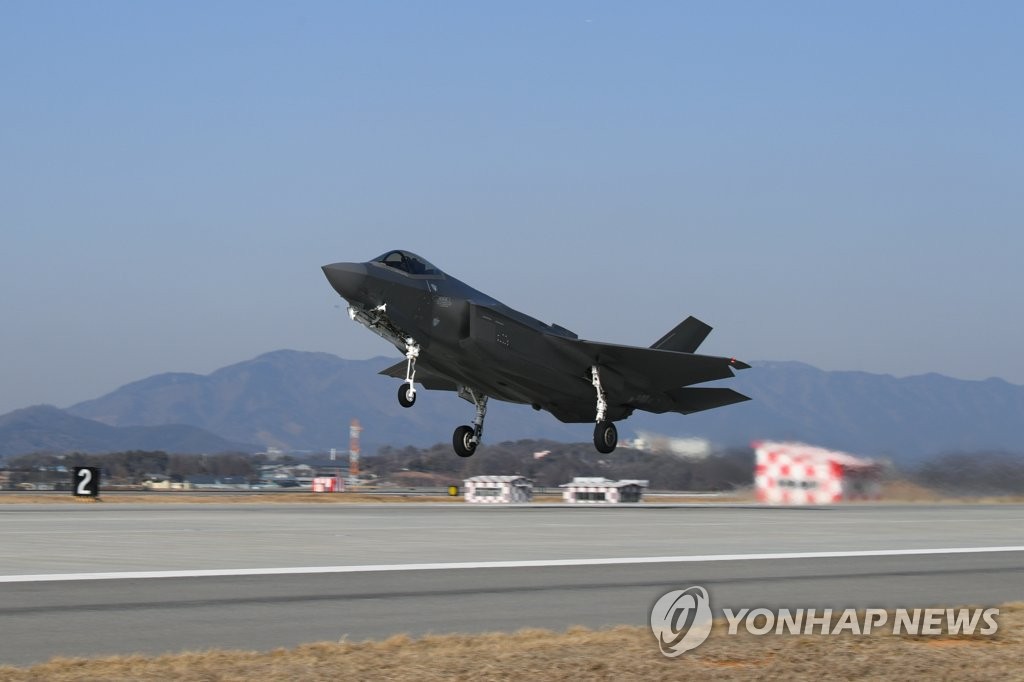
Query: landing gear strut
[[407, 391], [606, 436], [466, 438]]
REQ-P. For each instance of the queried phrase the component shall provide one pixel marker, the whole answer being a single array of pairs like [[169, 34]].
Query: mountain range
[[297, 400], [46, 428]]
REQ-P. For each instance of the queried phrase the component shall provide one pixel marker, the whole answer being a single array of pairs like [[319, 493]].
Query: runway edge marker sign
[[85, 482]]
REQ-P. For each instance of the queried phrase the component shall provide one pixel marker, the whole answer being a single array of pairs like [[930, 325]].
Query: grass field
[[613, 654]]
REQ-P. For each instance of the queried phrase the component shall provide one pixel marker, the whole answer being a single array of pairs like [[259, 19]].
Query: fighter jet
[[456, 338]]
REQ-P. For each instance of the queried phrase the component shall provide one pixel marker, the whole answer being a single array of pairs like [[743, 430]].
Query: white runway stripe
[[529, 563]]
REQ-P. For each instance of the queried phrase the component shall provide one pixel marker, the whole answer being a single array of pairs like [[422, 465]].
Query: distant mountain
[[304, 401], [46, 428], [299, 400], [901, 418]]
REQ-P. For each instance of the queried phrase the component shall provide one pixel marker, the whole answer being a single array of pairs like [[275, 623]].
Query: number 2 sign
[[85, 482]]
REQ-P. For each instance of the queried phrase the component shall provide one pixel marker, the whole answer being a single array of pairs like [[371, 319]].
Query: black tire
[[462, 441], [403, 396], [606, 437]]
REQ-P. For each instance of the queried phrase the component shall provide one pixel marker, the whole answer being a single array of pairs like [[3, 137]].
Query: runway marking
[[529, 563]]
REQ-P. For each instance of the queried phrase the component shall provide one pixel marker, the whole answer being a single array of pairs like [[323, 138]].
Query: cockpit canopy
[[407, 262]]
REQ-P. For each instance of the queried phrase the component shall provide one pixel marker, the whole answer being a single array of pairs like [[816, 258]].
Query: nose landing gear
[[407, 391], [406, 395]]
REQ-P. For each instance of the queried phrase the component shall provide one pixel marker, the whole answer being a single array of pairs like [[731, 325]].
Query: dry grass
[[616, 653]]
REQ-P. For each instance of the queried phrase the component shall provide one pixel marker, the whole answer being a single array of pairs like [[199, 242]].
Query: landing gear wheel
[[606, 437], [464, 441], [406, 395]]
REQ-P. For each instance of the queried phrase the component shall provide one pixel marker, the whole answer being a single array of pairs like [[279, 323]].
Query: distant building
[[166, 484], [273, 454], [602, 491], [208, 482], [498, 489], [685, 448], [287, 475], [794, 473], [328, 484]]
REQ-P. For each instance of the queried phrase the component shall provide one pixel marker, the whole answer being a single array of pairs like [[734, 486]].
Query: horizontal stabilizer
[[424, 377], [686, 337], [689, 400]]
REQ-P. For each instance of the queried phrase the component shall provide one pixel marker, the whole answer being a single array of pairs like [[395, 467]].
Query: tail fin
[[686, 337]]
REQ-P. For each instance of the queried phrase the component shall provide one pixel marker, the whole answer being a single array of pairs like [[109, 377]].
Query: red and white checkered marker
[[794, 473]]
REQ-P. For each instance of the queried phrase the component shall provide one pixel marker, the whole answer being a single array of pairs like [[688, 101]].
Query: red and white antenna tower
[[353, 450]]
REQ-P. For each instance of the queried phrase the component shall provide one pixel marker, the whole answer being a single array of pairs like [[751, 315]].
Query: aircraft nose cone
[[348, 279]]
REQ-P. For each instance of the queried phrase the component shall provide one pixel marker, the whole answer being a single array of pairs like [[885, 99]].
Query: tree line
[[131, 467], [988, 473]]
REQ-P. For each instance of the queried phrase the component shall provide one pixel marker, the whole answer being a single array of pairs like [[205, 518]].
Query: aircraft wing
[[424, 376], [651, 368]]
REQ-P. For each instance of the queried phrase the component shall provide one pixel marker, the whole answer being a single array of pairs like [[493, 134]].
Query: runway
[[745, 557]]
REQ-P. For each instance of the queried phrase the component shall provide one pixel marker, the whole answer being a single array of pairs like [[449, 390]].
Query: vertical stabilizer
[[686, 337]]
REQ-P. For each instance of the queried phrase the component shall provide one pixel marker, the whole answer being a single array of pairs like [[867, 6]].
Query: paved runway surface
[[46, 613]]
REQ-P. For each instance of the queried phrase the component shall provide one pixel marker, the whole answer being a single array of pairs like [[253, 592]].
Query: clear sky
[[837, 183]]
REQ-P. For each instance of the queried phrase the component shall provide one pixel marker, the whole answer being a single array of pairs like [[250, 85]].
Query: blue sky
[[834, 183]]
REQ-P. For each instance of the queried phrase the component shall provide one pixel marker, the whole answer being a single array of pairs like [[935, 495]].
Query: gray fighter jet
[[456, 338]]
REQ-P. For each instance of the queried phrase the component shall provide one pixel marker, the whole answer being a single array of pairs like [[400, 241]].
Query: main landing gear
[[407, 391], [606, 436], [466, 438]]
